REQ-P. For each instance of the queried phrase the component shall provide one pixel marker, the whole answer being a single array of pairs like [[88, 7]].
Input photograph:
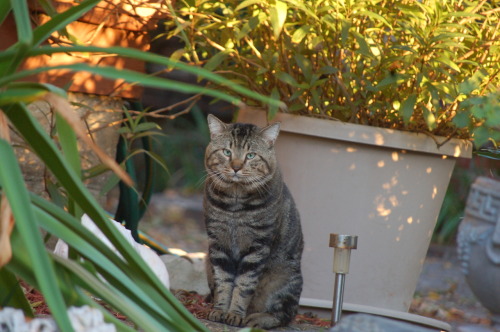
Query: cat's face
[[240, 153]]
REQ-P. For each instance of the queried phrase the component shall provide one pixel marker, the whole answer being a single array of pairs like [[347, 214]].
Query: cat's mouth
[[235, 177]]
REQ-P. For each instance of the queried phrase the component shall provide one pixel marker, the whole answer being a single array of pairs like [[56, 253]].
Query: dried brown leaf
[[6, 219], [63, 107]]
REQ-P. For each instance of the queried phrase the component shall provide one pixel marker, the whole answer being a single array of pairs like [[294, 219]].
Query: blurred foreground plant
[[125, 283]]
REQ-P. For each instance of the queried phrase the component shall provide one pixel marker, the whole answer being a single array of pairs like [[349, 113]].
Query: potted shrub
[[410, 84]]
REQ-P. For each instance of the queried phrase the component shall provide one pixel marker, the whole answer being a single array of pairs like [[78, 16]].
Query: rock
[[83, 319], [187, 272], [365, 322], [87, 319], [147, 254], [12, 320], [475, 328]]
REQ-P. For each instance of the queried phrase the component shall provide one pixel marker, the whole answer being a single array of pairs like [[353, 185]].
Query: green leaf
[[430, 119], [131, 76], [69, 146], [104, 261], [482, 135], [287, 78], [23, 22], [328, 70], [278, 13], [251, 25], [390, 79], [464, 14], [216, 60], [305, 66], [346, 27], [462, 119], [115, 298], [46, 150], [4, 10], [473, 82], [448, 62], [68, 141], [26, 95], [60, 21], [300, 33], [12, 182], [364, 48], [273, 110], [27, 92], [247, 3], [374, 16], [110, 184], [489, 153], [145, 126], [407, 108], [13, 295]]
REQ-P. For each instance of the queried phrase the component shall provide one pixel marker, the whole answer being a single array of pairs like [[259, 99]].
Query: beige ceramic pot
[[385, 186]]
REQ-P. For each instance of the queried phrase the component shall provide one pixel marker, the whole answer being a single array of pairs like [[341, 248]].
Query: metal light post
[[343, 245]]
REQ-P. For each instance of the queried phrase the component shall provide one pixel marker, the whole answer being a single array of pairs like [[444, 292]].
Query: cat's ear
[[215, 126], [270, 133]]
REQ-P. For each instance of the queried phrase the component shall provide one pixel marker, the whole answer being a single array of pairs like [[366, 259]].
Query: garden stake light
[[341, 259]]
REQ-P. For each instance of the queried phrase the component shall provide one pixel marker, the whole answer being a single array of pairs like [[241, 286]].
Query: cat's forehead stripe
[[241, 133]]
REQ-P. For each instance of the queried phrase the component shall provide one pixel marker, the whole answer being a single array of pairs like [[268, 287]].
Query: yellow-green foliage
[[410, 65]]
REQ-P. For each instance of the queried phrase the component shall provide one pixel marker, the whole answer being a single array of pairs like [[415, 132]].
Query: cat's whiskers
[[259, 184]]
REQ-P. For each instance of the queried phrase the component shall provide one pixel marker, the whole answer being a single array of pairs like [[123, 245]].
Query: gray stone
[[475, 328], [371, 323], [187, 272]]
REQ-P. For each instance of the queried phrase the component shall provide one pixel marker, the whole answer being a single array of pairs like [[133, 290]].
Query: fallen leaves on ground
[[439, 306], [195, 303], [200, 308], [36, 299], [310, 318]]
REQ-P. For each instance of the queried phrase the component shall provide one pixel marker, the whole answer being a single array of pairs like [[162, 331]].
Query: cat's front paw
[[234, 319], [217, 315], [261, 320]]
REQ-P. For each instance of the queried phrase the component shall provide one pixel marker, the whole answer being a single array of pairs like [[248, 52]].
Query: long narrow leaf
[[24, 37], [60, 21], [20, 266], [112, 297], [69, 146], [108, 316], [12, 181], [154, 58], [65, 110], [47, 151], [4, 10], [13, 296], [106, 261], [22, 18], [103, 264]]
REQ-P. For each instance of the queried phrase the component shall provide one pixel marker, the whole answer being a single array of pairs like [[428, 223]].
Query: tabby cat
[[253, 227]]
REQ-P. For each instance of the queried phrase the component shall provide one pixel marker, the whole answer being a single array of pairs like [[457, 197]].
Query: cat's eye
[[226, 152], [250, 155]]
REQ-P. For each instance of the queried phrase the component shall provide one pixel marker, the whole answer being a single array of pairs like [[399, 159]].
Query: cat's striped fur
[[254, 232]]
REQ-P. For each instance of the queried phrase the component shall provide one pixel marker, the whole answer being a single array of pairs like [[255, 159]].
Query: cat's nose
[[236, 165]]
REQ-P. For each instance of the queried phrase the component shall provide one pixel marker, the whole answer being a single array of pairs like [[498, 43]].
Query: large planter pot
[[479, 243], [383, 185]]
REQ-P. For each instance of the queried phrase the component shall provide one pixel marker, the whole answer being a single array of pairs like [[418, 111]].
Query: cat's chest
[[237, 236], [240, 240]]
